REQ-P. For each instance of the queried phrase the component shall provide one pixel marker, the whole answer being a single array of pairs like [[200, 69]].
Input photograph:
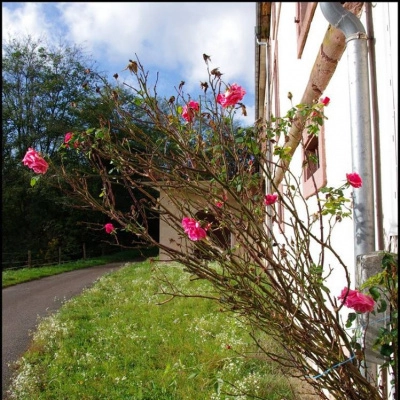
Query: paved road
[[24, 303]]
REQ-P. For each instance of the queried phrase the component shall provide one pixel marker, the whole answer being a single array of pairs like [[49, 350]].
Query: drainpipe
[[360, 122], [264, 62], [367, 264], [268, 114]]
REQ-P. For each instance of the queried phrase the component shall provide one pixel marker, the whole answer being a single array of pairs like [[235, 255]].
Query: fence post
[[29, 258], [84, 251], [59, 255]]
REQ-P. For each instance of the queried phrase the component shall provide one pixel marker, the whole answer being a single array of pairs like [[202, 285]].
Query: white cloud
[[169, 38], [169, 35], [28, 19]]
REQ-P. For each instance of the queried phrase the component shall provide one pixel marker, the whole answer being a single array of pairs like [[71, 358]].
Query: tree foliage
[[45, 89]]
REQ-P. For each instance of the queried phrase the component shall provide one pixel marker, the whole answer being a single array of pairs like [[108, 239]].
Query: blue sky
[[169, 38]]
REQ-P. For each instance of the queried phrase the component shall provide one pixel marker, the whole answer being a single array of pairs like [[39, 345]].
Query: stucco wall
[[294, 74]]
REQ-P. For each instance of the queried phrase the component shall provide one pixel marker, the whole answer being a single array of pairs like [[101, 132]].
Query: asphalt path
[[24, 303]]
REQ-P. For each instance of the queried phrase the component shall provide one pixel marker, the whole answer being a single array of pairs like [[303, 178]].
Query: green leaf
[[357, 346], [34, 180], [325, 289], [383, 332], [316, 269], [374, 280], [387, 261], [375, 293], [350, 318], [254, 148], [386, 350], [382, 306], [99, 134]]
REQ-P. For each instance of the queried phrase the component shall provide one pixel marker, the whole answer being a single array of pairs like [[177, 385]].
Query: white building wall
[[293, 77], [386, 33]]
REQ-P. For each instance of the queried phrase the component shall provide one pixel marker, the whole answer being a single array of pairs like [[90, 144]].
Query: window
[[304, 15], [314, 176]]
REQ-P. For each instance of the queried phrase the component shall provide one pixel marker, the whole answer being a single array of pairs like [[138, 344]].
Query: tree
[[211, 178], [43, 87]]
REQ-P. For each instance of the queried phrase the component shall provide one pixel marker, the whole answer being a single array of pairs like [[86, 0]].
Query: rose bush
[[206, 180]]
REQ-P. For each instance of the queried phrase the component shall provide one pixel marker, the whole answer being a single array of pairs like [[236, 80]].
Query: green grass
[[14, 276], [121, 339]]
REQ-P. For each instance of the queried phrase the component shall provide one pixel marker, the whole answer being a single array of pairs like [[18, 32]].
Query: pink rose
[[270, 199], [189, 110], [193, 229], [68, 137], [232, 96], [109, 228], [221, 99], [219, 204], [354, 180], [35, 161], [357, 301], [325, 101]]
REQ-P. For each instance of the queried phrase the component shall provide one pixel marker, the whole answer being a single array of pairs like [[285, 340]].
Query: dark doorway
[[219, 235]]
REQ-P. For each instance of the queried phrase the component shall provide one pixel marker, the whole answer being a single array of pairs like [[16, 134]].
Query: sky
[[168, 38]]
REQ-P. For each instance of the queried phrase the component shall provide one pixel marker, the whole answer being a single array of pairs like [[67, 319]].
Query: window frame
[[304, 14], [316, 178]]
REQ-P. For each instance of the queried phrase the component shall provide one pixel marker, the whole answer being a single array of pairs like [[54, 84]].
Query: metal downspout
[[268, 111], [267, 102], [360, 121], [362, 154], [264, 52]]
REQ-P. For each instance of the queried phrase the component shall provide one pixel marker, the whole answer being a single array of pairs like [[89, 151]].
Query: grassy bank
[[117, 341], [14, 276]]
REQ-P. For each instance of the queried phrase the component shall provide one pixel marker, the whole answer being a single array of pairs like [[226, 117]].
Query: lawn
[[122, 339]]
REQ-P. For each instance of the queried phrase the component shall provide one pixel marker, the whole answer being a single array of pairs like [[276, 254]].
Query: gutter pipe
[[263, 54], [360, 121], [362, 155]]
